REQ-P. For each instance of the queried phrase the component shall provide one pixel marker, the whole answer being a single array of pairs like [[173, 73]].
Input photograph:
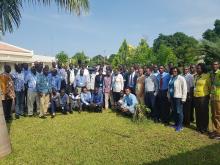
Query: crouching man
[[129, 103], [97, 101]]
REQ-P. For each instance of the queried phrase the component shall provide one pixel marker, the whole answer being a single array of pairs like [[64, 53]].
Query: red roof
[[12, 48]]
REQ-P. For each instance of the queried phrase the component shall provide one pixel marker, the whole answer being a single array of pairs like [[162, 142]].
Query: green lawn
[[106, 138]]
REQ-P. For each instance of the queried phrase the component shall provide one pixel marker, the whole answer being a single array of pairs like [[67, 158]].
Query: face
[[161, 69], [19, 68], [33, 70], [84, 90], [25, 66], [45, 71], [71, 66], [155, 68], [116, 72], [192, 68], [96, 90], [148, 71], [199, 69], [132, 69], [100, 72], [186, 70], [7, 69], [62, 92], [108, 73], [215, 66], [174, 72], [59, 65], [54, 64], [141, 71], [81, 72], [127, 91]]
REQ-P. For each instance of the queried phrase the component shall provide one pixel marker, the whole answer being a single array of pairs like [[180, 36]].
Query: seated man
[[97, 100], [54, 102], [86, 99], [64, 102], [75, 101], [129, 102]]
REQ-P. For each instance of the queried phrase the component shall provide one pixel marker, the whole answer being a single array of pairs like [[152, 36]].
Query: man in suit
[[131, 80]]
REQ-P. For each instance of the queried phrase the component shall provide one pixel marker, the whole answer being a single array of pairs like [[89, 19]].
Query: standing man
[[91, 80], [117, 86], [194, 74], [132, 79], [63, 75], [139, 90], [162, 102], [26, 72], [99, 81], [7, 92], [151, 90], [80, 81], [215, 100], [55, 80], [31, 80], [43, 86], [187, 105], [70, 77], [18, 78], [107, 82]]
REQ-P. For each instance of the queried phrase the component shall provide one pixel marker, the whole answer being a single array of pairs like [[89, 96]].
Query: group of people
[[169, 94]]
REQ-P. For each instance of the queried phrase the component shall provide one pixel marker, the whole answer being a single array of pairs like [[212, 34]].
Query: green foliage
[[183, 46], [80, 56], [165, 55], [62, 57], [210, 46], [10, 14], [140, 113], [97, 60]]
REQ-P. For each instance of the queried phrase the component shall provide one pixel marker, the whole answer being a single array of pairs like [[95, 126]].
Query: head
[[96, 90], [33, 70], [108, 73], [7, 68], [81, 72], [25, 66], [54, 91], [186, 69], [132, 69], [100, 71], [161, 69], [18, 68], [116, 71], [62, 92], [141, 71], [170, 65], [54, 64], [201, 68], [155, 68], [148, 71], [45, 71], [84, 89], [59, 65], [175, 71], [71, 66], [215, 65], [127, 90], [193, 68]]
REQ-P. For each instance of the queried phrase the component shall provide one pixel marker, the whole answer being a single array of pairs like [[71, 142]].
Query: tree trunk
[[5, 146]]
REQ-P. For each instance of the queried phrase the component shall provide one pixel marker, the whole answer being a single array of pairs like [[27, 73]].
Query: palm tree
[[10, 15]]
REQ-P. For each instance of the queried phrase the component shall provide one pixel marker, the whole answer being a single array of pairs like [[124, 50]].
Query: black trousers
[[202, 112], [116, 96], [187, 110], [163, 106], [6, 104]]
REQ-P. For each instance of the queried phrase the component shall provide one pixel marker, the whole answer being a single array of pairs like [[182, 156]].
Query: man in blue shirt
[[86, 99], [18, 78], [163, 107], [80, 81], [31, 80], [55, 80], [43, 86], [97, 100], [129, 102]]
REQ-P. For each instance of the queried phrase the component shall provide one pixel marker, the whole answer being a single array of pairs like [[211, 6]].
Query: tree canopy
[[62, 57]]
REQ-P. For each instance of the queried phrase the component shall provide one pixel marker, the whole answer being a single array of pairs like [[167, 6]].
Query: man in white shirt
[[117, 85]]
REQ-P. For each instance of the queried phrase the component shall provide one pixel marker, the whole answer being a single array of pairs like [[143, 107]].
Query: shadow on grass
[[208, 155]]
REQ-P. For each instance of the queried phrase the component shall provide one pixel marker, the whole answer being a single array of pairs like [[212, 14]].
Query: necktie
[[161, 81]]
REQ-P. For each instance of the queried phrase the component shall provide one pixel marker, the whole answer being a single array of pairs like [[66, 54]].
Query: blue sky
[[46, 30]]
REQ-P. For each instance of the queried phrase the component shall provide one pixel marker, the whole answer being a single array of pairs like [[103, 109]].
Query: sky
[[47, 30]]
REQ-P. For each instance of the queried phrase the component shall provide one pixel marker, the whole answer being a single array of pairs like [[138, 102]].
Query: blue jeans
[[19, 107], [53, 107], [150, 99], [177, 107]]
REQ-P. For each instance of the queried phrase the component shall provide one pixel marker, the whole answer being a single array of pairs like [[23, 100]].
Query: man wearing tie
[[163, 108], [132, 79]]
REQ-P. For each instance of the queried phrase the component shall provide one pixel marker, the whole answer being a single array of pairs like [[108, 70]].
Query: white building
[[11, 54]]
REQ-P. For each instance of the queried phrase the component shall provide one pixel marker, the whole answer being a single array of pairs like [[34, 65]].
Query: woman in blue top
[[177, 92]]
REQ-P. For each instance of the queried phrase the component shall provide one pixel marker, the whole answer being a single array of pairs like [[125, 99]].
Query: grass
[[106, 138]]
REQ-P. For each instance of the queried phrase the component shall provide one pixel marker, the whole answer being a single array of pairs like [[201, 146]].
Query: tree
[[165, 55], [79, 57], [62, 57], [210, 47], [184, 47], [10, 15], [97, 60]]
